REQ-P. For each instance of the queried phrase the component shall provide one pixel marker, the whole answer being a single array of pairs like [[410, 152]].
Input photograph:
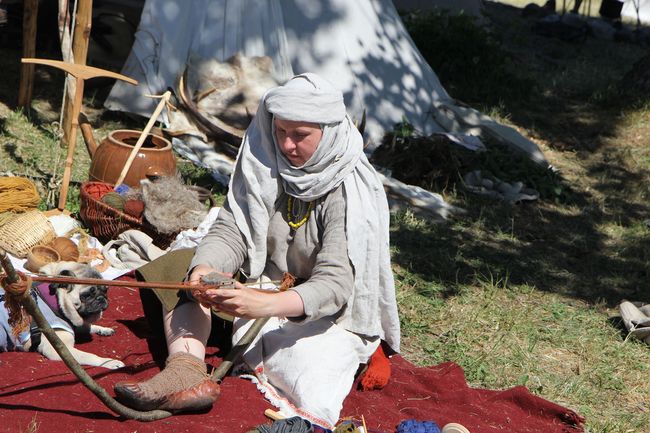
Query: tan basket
[[23, 232]]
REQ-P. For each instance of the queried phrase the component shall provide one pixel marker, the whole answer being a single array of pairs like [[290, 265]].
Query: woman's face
[[297, 140]]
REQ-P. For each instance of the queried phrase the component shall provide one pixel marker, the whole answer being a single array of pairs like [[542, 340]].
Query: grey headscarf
[[262, 172]]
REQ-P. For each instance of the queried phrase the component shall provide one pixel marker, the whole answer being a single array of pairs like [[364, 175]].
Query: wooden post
[[81, 73], [80, 54], [30, 13]]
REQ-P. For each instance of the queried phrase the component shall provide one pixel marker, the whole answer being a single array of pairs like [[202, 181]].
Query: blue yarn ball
[[122, 189], [415, 426]]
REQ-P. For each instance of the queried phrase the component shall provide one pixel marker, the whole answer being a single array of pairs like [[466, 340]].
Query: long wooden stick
[[32, 308], [72, 144], [135, 284], [152, 120]]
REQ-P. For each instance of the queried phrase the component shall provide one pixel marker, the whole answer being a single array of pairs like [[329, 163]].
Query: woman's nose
[[288, 144]]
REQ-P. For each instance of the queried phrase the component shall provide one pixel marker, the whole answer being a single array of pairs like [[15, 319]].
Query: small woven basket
[[24, 231], [106, 223]]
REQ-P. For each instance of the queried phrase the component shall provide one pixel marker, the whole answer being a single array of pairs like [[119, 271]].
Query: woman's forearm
[[286, 304]]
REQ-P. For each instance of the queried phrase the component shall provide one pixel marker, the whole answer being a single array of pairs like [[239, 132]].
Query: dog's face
[[82, 305]]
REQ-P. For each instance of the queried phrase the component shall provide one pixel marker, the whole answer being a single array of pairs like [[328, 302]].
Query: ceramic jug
[[155, 157]]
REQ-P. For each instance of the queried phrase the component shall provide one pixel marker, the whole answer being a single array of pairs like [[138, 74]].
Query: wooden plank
[[26, 86]]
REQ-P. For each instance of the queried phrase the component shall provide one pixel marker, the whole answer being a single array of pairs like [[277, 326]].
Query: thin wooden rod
[[137, 284]]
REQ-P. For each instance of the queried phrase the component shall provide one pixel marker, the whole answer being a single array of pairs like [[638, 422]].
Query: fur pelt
[[169, 205]]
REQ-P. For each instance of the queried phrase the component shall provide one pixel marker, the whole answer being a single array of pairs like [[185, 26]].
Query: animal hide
[[218, 99]]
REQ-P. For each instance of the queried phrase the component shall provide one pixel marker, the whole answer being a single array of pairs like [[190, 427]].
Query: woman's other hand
[[249, 303]]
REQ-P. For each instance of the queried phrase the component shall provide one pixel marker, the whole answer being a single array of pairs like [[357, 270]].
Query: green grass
[[504, 334]]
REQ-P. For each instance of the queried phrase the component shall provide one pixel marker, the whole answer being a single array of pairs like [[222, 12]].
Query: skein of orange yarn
[[378, 372], [17, 194]]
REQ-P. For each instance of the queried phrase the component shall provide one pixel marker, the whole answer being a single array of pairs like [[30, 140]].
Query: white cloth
[[305, 370], [63, 224], [360, 45], [131, 249], [262, 170]]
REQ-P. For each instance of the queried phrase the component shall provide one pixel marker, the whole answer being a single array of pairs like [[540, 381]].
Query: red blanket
[[35, 390]]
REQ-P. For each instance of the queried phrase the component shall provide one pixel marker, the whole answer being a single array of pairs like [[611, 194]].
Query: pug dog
[[81, 306]]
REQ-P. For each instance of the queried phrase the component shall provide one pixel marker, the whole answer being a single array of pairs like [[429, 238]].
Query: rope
[[19, 319], [18, 194]]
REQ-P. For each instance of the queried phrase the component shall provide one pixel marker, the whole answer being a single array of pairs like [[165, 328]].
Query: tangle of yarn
[[378, 372], [18, 194], [415, 426], [19, 319]]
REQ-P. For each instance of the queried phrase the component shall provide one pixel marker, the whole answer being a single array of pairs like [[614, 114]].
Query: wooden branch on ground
[[32, 308]]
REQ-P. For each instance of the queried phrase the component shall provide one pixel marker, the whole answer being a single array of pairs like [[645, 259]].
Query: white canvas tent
[[630, 10], [361, 46]]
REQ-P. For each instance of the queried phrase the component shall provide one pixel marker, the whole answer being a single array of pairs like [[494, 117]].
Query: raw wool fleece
[[169, 205]]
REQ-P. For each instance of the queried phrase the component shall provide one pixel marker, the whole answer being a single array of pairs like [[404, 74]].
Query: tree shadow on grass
[[594, 246], [536, 244]]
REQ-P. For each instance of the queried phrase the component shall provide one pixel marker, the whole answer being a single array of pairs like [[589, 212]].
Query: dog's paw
[[112, 364], [101, 330]]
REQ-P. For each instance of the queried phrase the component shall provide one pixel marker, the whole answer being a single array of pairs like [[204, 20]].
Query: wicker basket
[[106, 223], [24, 231]]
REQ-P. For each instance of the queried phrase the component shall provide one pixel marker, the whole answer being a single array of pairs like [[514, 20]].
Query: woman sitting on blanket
[[303, 199]]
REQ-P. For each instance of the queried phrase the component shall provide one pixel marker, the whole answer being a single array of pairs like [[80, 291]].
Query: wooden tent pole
[[81, 73], [80, 42], [25, 88]]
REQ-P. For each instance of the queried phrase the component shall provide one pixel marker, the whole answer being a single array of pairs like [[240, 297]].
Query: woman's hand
[[241, 301], [196, 276], [249, 303]]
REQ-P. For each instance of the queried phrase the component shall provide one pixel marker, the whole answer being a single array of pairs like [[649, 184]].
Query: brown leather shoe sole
[[199, 397]]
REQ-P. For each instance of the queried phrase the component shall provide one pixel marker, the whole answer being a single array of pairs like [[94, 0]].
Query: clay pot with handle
[[155, 158]]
